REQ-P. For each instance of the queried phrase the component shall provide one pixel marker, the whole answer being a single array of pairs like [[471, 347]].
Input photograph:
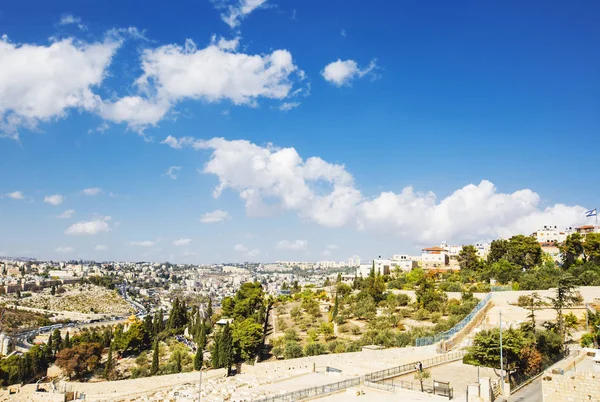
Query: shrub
[[421, 315], [403, 299], [355, 329], [314, 349], [435, 317], [292, 350]]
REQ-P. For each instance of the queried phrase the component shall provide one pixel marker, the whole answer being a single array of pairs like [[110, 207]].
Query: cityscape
[[276, 201]]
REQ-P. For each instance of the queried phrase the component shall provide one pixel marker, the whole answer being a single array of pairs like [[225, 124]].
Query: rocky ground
[[79, 298]]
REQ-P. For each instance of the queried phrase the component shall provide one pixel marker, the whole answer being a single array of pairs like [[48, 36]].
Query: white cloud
[[69, 19], [16, 195], [343, 33], [240, 248], [173, 73], [67, 214], [237, 11], [298, 245], [42, 83], [55, 199], [182, 242], [173, 172], [144, 243], [214, 216], [100, 247], [287, 106], [341, 72], [64, 249], [92, 191], [95, 226], [326, 194]]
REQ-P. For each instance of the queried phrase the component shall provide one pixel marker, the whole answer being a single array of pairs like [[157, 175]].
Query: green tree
[[315, 349], [109, 366], [591, 247], [227, 305], [226, 352], [53, 290], [198, 359], [532, 303], [504, 271], [334, 312], [422, 375], [67, 341], [468, 259], [155, 351], [56, 340], [525, 251], [571, 249], [566, 297], [292, 350], [498, 250], [247, 338], [485, 350]]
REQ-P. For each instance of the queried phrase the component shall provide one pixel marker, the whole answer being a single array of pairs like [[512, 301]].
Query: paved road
[[530, 393]]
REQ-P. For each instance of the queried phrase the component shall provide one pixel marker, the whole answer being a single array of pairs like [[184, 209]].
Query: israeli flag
[[591, 212]]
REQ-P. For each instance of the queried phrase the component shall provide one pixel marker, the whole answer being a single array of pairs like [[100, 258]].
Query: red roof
[[586, 227], [436, 248]]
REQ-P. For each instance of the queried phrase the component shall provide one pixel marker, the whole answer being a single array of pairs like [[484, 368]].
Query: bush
[[403, 299], [343, 328], [421, 315], [355, 329], [435, 317], [291, 335], [292, 350], [315, 349], [587, 340]]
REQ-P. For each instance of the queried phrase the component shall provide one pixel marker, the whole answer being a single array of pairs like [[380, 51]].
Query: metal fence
[[501, 288], [407, 368], [314, 391], [442, 336], [519, 382]]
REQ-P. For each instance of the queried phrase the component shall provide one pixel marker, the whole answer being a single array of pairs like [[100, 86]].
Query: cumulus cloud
[[173, 73], [16, 195], [42, 83], [55, 199], [92, 191], [340, 72], [237, 10], [214, 216], [182, 242], [297, 245], [325, 193], [64, 249], [173, 172], [100, 247], [144, 243], [240, 248], [67, 214], [92, 227]]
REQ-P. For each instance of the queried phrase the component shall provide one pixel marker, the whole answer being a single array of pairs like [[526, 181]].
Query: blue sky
[[302, 130]]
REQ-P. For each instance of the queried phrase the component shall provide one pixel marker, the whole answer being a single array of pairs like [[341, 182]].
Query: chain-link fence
[[443, 336]]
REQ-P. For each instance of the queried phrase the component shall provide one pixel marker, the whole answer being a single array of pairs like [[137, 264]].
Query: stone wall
[[572, 386]]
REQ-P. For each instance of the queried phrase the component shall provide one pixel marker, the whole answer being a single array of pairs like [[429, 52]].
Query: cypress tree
[[56, 340], [178, 361], [108, 368], [334, 313], [227, 349], [154, 368], [216, 351], [202, 336], [198, 359], [209, 311], [67, 341]]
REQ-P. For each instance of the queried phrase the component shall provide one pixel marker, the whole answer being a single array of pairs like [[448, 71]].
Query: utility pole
[[200, 386], [501, 359]]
